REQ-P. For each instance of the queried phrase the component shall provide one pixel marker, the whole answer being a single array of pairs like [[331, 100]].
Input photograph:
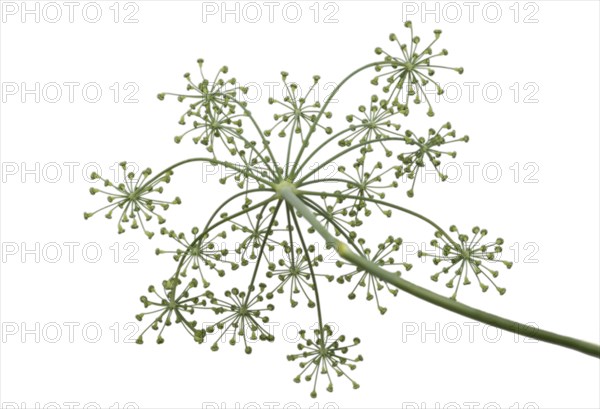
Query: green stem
[[322, 111], [344, 251], [228, 165], [246, 141], [264, 140], [209, 227], [383, 203], [248, 114], [341, 229], [313, 277], [262, 248], [345, 151], [321, 146]]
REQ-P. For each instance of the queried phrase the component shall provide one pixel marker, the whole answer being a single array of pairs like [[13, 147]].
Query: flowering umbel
[[428, 149], [171, 307], [467, 258], [286, 193], [407, 74], [325, 356], [384, 256], [242, 311], [131, 197]]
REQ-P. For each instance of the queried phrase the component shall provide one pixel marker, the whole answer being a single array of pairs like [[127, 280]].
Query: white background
[[552, 44]]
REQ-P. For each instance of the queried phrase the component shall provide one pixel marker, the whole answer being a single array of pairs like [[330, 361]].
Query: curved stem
[[328, 180], [212, 161], [262, 248], [265, 142], [321, 146], [246, 142], [290, 235], [383, 203], [312, 275], [431, 297], [340, 228], [209, 227], [322, 111], [345, 151]]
